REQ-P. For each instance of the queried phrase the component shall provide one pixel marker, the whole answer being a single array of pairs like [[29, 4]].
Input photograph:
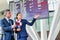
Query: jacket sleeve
[[31, 23], [5, 28]]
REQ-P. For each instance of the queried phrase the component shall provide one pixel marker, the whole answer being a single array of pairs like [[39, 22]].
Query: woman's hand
[[36, 16], [18, 29]]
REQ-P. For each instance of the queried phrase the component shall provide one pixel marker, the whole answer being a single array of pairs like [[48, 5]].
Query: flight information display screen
[[34, 7]]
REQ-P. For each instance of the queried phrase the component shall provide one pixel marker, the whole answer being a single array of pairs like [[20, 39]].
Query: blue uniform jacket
[[7, 30], [23, 32]]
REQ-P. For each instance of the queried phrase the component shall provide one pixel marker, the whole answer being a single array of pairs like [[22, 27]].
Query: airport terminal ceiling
[[4, 4]]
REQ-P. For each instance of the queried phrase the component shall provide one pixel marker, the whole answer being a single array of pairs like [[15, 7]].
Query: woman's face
[[19, 16]]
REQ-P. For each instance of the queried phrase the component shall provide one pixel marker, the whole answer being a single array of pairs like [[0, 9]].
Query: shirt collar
[[6, 18]]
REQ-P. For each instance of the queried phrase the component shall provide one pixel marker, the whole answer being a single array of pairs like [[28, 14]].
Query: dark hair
[[6, 11], [17, 15]]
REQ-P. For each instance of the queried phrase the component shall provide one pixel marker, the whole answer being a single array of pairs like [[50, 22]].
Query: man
[[7, 25]]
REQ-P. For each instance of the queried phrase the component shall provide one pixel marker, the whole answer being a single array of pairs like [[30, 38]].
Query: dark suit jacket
[[6, 26], [23, 32]]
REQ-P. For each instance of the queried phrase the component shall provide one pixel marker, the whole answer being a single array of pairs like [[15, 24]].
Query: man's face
[[8, 14]]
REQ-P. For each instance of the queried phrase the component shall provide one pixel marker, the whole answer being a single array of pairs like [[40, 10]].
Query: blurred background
[[51, 8]]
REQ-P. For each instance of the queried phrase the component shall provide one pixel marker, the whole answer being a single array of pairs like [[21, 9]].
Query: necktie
[[9, 22]]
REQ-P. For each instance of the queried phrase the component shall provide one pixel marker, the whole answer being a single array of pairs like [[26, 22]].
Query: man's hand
[[13, 26], [36, 16], [18, 29], [14, 29]]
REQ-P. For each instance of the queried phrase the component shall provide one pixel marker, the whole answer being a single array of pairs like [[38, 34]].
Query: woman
[[21, 26]]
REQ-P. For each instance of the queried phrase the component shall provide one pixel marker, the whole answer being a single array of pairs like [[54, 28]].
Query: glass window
[[52, 4]]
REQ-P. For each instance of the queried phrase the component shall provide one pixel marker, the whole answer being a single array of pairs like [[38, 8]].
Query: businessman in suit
[[7, 25]]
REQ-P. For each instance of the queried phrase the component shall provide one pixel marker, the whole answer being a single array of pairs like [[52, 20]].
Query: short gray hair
[[6, 11]]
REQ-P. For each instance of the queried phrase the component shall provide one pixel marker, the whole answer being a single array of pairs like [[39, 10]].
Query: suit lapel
[[6, 21]]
